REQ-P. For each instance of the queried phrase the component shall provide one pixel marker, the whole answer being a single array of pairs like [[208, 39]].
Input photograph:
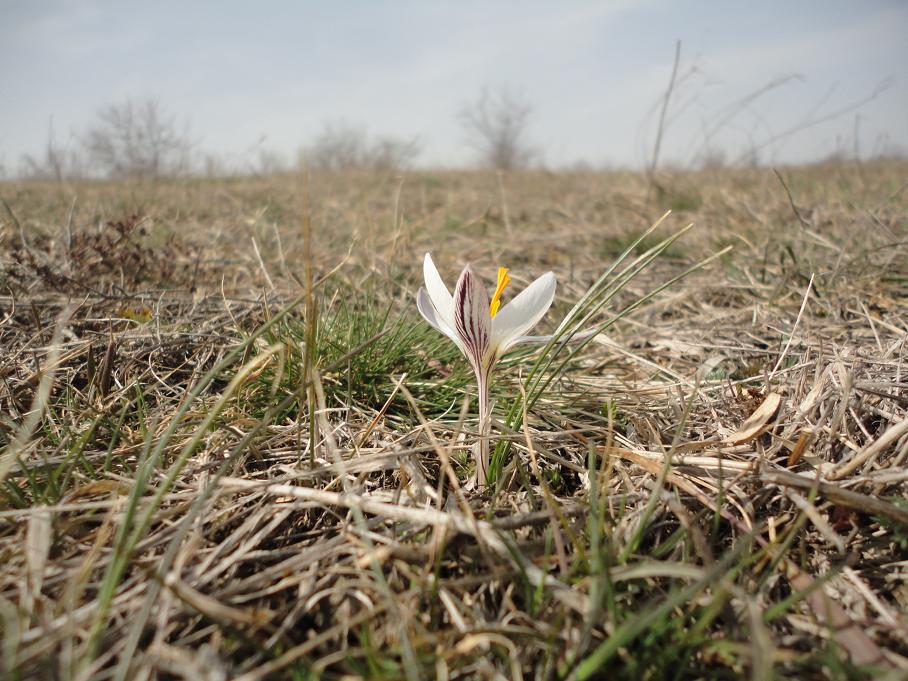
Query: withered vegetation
[[209, 471]]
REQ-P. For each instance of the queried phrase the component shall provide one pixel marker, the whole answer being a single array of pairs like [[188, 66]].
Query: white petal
[[523, 312], [438, 293], [472, 320], [427, 310]]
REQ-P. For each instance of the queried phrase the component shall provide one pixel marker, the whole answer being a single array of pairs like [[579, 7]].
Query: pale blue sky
[[270, 74]]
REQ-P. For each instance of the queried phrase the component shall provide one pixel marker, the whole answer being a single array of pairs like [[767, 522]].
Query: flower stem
[[485, 427]]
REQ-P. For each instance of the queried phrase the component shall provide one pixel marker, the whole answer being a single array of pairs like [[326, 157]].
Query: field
[[230, 451]]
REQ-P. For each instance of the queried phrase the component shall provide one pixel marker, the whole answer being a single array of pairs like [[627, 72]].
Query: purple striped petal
[[472, 320]]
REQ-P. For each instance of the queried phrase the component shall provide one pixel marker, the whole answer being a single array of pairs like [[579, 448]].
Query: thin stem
[[485, 423]]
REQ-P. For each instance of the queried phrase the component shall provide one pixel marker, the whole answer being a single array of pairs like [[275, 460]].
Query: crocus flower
[[482, 328]]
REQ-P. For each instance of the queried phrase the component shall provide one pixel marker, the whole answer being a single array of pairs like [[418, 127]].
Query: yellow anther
[[503, 280]]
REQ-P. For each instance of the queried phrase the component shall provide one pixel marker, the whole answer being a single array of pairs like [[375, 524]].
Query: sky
[[269, 76]]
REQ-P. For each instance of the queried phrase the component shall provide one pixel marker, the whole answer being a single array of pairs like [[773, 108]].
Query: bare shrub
[[139, 140], [336, 148], [342, 147], [496, 127], [392, 153], [115, 255], [57, 163]]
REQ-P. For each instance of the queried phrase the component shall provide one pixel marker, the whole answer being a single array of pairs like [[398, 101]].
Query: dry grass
[[715, 488]]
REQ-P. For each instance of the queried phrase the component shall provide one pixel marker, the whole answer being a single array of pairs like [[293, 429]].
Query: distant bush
[[137, 139], [496, 127], [58, 162], [342, 147]]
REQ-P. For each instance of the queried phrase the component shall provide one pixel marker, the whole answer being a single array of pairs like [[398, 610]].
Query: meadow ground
[[211, 471]]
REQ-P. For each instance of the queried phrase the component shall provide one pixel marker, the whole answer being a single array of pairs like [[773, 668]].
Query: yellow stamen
[[503, 280]]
